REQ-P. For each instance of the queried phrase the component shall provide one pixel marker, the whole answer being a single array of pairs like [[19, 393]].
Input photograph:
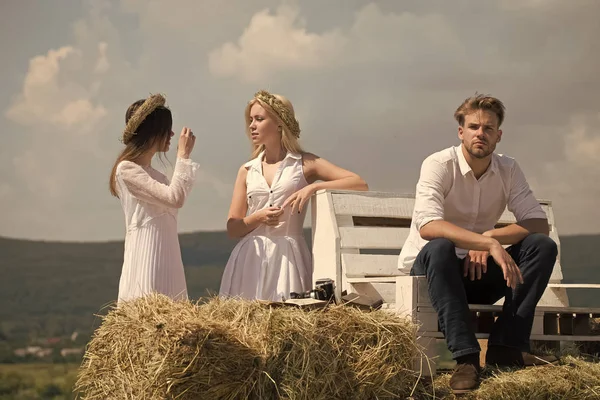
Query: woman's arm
[[329, 175], [145, 188]]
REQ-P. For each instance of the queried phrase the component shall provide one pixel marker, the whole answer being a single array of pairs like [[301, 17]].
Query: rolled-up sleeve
[[521, 201], [429, 198]]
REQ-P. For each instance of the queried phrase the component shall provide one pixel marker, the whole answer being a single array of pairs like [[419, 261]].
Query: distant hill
[[53, 288]]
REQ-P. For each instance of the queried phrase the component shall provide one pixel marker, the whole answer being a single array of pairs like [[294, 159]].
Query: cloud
[[60, 158], [70, 109], [102, 65], [524, 4], [569, 177], [582, 143], [405, 37], [280, 43], [46, 98], [374, 84], [63, 119], [273, 43]]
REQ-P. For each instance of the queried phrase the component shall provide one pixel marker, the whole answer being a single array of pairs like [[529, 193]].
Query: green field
[[37, 381]]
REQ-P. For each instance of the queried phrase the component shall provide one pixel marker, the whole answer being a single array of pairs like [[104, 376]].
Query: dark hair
[[479, 102], [156, 127]]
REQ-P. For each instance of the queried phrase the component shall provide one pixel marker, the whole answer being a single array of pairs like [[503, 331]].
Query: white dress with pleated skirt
[[152, 260], [271, 261]]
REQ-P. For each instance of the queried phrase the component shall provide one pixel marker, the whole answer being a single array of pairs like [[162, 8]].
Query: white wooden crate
[[357, 237]]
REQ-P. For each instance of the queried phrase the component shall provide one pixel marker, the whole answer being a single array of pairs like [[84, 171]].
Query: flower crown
[[282, 111], [149, 105]]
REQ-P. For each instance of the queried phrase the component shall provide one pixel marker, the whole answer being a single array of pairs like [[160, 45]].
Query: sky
[[374, 85]]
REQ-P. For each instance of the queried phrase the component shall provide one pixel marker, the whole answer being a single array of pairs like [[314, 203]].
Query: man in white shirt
[[461, 193]]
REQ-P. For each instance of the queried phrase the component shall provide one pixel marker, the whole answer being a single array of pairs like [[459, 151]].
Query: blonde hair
[[479, 102], [277, 106]]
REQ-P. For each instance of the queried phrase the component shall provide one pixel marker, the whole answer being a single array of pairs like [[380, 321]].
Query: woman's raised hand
[[186, 143]]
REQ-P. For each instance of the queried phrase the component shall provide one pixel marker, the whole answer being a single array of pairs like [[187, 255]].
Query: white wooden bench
[[357, 237]]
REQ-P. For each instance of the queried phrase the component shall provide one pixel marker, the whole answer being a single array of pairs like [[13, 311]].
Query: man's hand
[[512, 273], [475, 264]]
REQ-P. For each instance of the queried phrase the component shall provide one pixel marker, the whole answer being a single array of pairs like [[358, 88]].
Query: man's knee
[[544, 245], [440, 247], [544, 249], [438, 254]]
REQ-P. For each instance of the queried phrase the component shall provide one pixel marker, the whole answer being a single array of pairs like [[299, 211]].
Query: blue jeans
[[451, 293]]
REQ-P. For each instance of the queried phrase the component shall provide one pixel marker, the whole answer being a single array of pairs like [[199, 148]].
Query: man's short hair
[[479, 102]]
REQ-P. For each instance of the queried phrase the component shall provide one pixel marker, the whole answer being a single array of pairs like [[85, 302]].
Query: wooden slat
[[554, 297], [538, 310], [373, 279], [382, 221], [557, 275], [568, 310], [554, 236], [549, 214], [372, 238], [568, 338], [344, 221], [373, 205], [576, 285], [547, 207], [472, 307], [406, 295], [382, 204], [364, 265], [386, 291], [440, 335], [427, 319]]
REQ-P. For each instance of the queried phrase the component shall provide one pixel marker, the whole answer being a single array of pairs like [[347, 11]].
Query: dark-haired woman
[[152, 260]]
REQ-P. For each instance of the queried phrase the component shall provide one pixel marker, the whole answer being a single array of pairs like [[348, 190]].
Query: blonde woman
[[152, 259], [269, 202]]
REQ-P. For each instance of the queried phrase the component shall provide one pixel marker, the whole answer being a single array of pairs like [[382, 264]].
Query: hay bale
[[156, 348], [340, 353], [573, 379]]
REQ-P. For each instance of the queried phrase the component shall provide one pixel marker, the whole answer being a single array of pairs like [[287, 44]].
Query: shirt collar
[[255, 162], [494, 164], [462, 161], [465, 168]]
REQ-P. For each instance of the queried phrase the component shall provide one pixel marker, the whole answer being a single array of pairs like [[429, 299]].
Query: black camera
[[324, 290], [326, 286]]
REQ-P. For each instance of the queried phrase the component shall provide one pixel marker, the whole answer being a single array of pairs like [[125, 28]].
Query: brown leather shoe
[[465, 378], [510, 357]]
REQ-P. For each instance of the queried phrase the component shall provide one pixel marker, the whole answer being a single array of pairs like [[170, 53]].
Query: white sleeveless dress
[[152, 260], [271, 261]]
